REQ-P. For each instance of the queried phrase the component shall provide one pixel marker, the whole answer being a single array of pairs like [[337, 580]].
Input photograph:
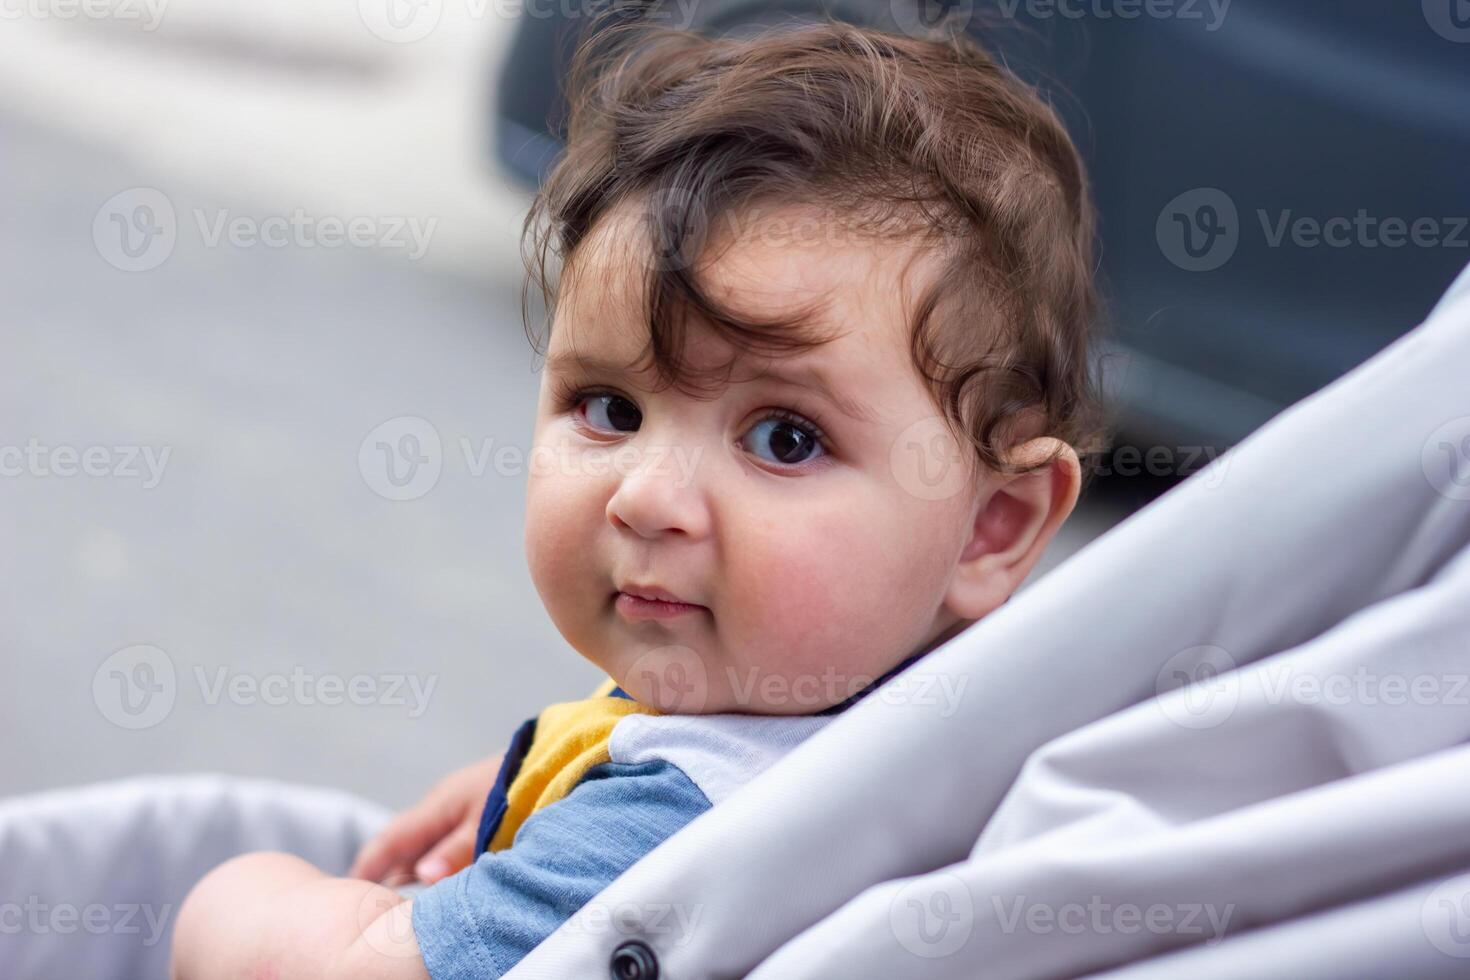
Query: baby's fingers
[[452, 853], [406, 837]]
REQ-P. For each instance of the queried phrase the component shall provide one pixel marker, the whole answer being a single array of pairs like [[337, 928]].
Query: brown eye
[[609, 411], [783, 441]]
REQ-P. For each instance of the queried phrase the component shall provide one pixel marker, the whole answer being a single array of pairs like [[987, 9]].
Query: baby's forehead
[[764, 261]]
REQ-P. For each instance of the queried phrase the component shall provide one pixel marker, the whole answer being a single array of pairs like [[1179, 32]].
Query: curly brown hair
[[922, 136]]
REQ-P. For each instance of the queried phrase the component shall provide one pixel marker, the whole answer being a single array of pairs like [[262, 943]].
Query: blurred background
[[263, 380]]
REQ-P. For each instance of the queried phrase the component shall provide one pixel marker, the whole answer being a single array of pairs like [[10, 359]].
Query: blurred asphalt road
[[262, 550]]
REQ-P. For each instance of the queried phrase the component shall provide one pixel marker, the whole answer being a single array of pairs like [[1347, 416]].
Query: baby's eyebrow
[[812, 377], [808, 377], [566, 360]]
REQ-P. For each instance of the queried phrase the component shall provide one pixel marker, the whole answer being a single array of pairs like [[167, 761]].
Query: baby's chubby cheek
[[559, 553], [826, 608]]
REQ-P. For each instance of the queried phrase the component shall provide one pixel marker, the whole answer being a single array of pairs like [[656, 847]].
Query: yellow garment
[[570, 738]]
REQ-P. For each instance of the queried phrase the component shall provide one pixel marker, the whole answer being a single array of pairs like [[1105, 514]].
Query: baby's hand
[[436, 836]]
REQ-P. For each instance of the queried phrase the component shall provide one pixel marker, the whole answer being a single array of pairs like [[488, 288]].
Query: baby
[[817, 365]]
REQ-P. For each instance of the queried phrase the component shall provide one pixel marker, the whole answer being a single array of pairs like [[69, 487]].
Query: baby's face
[[810, 560]]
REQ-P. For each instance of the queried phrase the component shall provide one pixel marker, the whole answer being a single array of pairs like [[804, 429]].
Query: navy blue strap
[[498, 800]]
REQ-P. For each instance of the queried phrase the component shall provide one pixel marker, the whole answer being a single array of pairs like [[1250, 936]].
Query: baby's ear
[[1015, 518]]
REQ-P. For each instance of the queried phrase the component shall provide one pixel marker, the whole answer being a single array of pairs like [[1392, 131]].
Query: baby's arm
[[275, 917]]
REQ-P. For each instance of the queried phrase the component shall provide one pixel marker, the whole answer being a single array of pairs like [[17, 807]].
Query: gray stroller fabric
[[91, 878]]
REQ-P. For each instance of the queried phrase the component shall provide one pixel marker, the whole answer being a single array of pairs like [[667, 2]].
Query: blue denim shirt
[[480, 922]]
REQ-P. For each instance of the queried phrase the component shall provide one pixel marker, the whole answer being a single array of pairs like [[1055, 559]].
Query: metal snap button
[[633, 960]]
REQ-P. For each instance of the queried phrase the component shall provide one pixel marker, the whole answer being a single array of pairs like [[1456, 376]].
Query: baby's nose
[[660, 494]]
